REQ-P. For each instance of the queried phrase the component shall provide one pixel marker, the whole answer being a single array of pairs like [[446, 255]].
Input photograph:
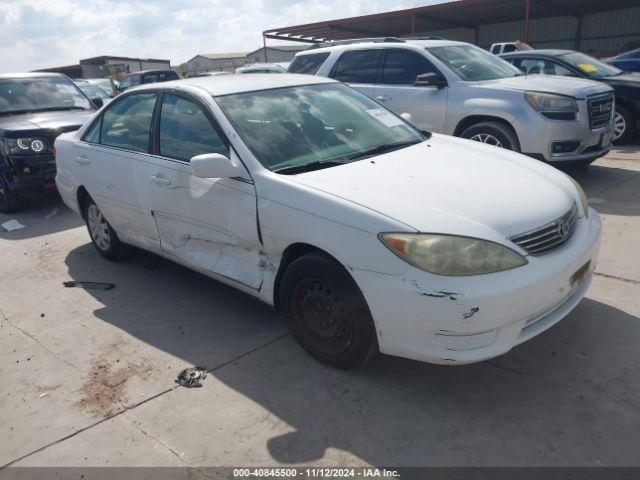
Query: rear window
[[308, 64]]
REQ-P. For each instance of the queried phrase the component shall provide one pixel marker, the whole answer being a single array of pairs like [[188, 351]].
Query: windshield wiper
[[384, 148], [308, 167]]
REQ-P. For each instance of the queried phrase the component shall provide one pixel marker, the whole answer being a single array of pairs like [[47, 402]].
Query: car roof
[[378, 44], [239, 83], [30, 75], [142, 72], [547, 52]]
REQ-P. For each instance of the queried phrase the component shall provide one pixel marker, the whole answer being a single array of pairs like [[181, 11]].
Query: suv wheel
[[327, 313], [493, 133], [623, 125], [104, 237], [9, 201]]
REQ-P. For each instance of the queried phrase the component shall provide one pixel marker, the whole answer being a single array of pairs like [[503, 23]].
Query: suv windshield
[[298, 128], [92, 91], [590, 66], [473, 64], [33, 94]]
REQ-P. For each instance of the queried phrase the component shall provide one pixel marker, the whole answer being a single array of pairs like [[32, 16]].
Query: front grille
[[600, 110], [549, 237]]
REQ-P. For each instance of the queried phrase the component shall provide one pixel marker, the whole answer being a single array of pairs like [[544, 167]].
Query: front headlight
[[26, 145], [583, 197], [551, 103], [452, 255]]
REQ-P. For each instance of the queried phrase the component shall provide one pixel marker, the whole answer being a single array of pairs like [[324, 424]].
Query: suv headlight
[[26, 145], [452, 255], [557, 107], [583, 197]]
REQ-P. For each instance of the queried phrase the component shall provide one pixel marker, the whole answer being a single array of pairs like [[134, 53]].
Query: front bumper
[[31, 176], [539, 137], [459, 320]]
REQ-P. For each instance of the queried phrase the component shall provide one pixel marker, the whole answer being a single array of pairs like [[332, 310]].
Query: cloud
[[38, 34]]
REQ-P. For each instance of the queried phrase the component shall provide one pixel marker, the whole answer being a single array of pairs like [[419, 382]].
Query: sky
[[48, 33]]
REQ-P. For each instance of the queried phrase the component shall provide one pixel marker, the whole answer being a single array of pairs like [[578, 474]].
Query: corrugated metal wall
[[602, 32]]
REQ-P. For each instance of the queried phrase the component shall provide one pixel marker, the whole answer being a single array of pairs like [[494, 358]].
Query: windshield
[[40, 93], [473, 64], [295, 126], [92, 91], [589, 66]]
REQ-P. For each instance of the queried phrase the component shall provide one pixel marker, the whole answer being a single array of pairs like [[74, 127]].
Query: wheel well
[[473, 119], [291, 253], [82, 196]]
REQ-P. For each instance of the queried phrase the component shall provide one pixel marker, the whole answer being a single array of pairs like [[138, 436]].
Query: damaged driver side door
[[208, 223]]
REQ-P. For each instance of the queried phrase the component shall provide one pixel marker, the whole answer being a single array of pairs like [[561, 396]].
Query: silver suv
[[459, 89]]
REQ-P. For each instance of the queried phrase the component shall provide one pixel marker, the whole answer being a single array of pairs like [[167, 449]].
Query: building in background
[[109, 67], [215, 62], [275, 53], [596, 27]]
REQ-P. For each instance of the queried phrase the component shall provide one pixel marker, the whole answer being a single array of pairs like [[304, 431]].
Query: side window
[[495, 49], [532, 66], [149, 78], [358, 66], [308, 64], [125, 82], [185, 131], [93, 134], [558, 69], [401, 67], [127, 123], [509, 48]]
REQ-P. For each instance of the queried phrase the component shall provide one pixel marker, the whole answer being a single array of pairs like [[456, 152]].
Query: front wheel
[[493, 133], [623, 125], [9, 201], [104, 237], [327, 313]]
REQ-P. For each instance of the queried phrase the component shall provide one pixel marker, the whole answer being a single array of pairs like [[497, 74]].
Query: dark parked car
[[569, 63], [146, 76], [627, 61], [34, 109]]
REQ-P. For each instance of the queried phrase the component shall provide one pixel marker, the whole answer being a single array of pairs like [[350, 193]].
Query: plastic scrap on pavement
[[191, 377]]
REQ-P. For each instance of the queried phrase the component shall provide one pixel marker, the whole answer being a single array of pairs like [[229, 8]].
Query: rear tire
[[624, 124], [327, 312], [493, 133], [103, 237]]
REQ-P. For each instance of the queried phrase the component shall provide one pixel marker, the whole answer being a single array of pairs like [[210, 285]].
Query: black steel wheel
[[326, 312]]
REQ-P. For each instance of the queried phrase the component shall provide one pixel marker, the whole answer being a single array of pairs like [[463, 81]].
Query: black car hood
[[44, 120], [631, 79]]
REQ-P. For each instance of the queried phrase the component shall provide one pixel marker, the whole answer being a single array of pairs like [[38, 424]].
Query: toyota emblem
[[563, 229]]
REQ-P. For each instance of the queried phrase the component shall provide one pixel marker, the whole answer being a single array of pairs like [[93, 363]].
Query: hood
[[631, 79], [573, 87], [451, 185], [45, 120]]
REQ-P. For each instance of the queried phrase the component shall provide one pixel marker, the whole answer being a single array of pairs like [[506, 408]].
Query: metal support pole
[[413, 24], [264, 47]]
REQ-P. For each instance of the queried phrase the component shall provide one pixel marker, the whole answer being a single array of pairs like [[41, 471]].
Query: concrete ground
[[87, 376]]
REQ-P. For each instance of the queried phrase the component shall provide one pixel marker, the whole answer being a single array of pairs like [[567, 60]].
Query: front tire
[[623, 125], [327, 313], [9, 201], [493, 133], [103, 237]]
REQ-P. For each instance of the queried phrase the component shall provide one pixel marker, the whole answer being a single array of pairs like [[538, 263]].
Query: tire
[[624, 124], [327, 313], [493, 133], [9, 201], [103, 237]]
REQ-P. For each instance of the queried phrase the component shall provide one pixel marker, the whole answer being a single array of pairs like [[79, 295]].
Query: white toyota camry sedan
[[369, 235]]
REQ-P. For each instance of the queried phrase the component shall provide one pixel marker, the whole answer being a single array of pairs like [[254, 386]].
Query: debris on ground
[[53, 213], [12, 225], [90, 285], [191, 377]]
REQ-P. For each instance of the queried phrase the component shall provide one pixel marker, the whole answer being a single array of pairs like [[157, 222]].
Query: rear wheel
[[623, 125], [326, 312], [104, 237], [493, 133]]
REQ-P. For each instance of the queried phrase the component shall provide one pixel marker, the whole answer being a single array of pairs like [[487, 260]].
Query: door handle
[[160, 180], [382, 98], [83, 160]]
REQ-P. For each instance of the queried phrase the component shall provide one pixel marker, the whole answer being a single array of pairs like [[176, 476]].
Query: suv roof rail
[[357, 40], [428, 37]]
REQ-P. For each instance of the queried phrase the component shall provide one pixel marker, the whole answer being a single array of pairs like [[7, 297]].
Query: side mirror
[[97, 102], [214, 165], [430, 80]]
